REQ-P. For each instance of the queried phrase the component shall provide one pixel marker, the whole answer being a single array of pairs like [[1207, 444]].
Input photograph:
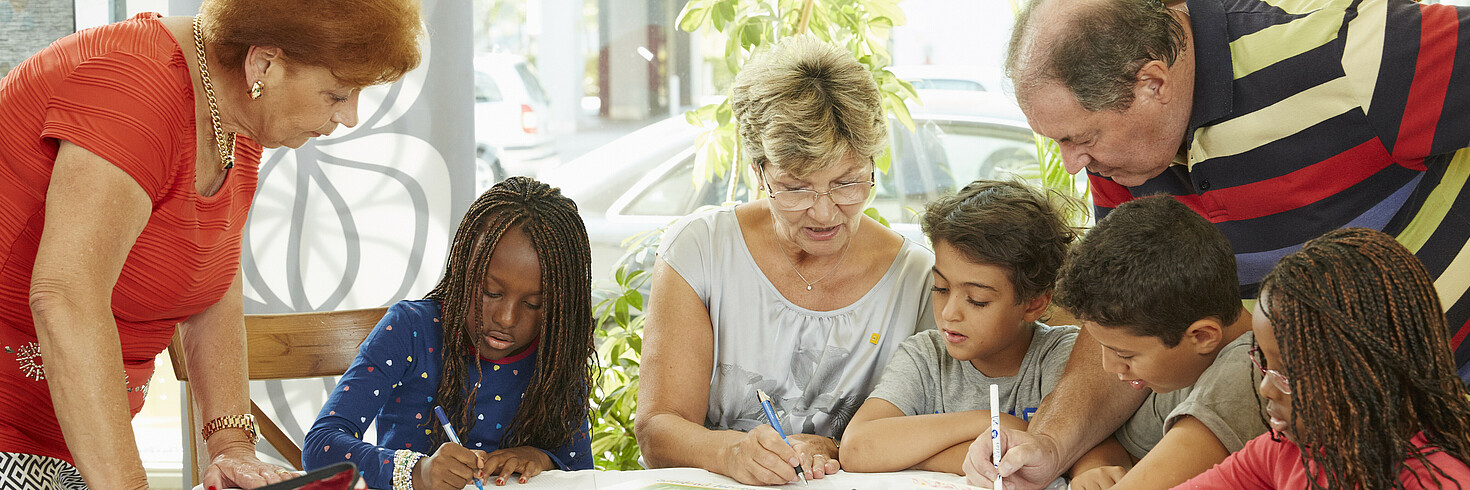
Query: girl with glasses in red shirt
[[1356, 374]]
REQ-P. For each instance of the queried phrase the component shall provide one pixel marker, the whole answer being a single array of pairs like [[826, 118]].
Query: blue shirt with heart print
[[394, 381]]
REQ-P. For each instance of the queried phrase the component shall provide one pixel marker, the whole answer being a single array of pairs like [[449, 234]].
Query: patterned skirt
[[31, 472]]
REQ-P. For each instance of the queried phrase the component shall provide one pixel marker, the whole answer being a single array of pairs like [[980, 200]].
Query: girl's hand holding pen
[[452, 466]]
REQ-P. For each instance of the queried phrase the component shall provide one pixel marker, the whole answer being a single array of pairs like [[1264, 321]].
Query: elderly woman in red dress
[[128, 161]]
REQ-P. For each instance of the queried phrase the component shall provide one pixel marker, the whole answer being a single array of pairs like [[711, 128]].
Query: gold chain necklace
[[224, 143], [809, 284]]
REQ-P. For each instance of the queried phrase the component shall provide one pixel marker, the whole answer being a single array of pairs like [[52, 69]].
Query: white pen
[[995, 432]]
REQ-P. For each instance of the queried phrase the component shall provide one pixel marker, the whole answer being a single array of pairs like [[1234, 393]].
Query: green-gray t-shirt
[[922, 378], [1223, 398]]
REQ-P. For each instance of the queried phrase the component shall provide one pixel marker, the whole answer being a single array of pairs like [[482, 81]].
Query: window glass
[[669, 196], [676, 193], [533, 85], [942, 156], [485, 88], [946, 84]]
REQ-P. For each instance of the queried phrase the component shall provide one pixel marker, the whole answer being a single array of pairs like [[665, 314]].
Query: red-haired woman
[[128, 161]]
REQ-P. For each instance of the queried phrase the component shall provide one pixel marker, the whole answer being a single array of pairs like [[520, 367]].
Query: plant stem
[[806, 16], [735, 171]]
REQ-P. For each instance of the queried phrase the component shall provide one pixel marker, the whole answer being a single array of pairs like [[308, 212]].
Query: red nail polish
[[523, 480], [212, 487]]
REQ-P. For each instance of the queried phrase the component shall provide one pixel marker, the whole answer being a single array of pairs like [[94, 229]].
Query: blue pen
[[449, 429], [771, 417]]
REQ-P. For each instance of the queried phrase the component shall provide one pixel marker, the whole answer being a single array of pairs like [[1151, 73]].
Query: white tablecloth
[[641, 479], [637, 480]]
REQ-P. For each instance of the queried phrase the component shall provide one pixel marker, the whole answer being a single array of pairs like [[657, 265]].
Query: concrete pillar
[[625, 59], [561, 62]]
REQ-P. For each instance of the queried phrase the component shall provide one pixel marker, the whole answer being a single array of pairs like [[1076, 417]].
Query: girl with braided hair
[[503, 343], [1357, 375]]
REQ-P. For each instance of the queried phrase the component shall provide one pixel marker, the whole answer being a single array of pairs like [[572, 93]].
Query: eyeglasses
[[800, 199], [1276, 379]]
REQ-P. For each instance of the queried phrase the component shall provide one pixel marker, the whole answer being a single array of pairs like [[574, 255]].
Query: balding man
[[1277, 120]]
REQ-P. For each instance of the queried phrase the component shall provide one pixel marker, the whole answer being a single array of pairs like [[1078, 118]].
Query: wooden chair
[[284, 346]]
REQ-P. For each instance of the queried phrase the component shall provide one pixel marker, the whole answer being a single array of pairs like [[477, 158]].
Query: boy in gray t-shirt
[[923, 379], [997, 247], [1154, 283]]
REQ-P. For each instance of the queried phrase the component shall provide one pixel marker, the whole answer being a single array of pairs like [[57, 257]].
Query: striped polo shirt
[[1313, 115]]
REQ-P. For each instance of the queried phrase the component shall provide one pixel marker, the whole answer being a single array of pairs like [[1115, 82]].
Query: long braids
[[555, 403], [1366, 347]]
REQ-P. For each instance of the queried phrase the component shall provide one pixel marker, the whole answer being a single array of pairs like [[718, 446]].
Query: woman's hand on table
[[526, 460], [243, 470], [760, 457], [818, 454], [452, 466]]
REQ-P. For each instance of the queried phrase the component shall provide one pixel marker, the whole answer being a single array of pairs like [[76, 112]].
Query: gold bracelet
[[245, 422]]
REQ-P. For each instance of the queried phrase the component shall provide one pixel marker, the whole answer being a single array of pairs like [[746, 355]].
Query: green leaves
[[873, 213], [1054, 176], [615, 391], [695, 14], [862, 26], [715, 149]]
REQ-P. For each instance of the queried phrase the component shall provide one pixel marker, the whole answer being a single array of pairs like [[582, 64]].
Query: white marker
[[995, 432]]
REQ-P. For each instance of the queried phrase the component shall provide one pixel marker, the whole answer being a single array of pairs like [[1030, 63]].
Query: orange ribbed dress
[[123, 92]]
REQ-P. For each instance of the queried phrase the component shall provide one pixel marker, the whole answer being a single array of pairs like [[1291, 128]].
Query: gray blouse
[[817, 366]]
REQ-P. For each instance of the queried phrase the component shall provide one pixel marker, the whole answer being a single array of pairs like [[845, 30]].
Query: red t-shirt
[[1266, 464], [123, 92]]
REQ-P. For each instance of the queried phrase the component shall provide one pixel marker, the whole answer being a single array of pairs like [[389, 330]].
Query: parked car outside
[[643, 181], [509, 106], [950, 77]]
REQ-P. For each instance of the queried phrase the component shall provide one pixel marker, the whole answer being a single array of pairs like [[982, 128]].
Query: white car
[[509, 106], [644, 180], [950, 77]]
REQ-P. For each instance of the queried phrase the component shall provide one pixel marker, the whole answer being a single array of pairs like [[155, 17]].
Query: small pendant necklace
[[809, 284]]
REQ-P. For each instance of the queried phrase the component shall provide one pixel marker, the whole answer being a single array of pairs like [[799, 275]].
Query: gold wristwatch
[[245, 422]]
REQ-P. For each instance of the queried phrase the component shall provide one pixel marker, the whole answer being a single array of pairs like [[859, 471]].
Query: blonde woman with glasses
[[798, 294]]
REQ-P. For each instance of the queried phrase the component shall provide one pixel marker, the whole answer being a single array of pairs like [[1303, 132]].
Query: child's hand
[[818, 454], [526, 460], [1099, 478], [451, 467]]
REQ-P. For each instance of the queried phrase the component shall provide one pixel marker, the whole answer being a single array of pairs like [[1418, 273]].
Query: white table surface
[[637, 480]]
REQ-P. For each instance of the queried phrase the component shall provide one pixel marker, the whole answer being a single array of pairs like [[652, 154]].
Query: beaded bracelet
[[403, 462]]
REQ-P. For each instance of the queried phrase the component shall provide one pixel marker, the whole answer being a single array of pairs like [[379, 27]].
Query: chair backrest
[[283, 346]]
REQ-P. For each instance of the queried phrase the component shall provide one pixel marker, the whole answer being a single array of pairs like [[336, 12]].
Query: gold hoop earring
[[256, 88]]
